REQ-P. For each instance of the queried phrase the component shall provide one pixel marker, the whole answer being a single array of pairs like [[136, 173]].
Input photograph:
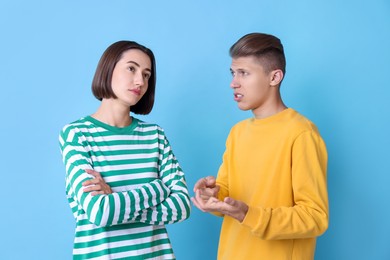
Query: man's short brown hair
[[267, 48]]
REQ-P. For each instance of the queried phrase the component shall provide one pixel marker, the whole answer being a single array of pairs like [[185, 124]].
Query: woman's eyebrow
[[136, 64]]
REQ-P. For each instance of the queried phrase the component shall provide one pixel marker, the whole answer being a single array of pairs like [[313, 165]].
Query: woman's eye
[[132, 69], [147, 76]]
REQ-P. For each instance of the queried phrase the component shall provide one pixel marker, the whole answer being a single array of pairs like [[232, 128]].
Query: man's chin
[[243, 108]]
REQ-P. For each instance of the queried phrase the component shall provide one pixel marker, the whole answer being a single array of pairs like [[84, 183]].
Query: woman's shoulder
[[76, 125], [147, 126]]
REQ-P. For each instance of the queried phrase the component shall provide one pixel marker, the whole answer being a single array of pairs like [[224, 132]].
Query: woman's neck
[[113, 114]]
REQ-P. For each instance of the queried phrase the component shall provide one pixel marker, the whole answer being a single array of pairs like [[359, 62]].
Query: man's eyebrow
[[136, 64], [238, 69]]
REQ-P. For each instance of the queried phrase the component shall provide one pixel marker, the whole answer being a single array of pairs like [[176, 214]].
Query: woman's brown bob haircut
[[101, 84], [267, 48]]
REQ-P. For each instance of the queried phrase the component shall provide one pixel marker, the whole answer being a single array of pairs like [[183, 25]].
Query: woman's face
[[131, 76]]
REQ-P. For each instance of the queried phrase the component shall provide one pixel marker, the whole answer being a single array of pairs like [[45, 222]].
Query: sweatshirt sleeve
[[176, 207], [103, 210], [308, 217]]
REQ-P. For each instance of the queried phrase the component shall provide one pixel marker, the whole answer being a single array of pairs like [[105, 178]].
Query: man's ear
[[276, 77]]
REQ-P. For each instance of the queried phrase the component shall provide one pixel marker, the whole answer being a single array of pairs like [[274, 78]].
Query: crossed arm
[[162, 201], [174, 208]]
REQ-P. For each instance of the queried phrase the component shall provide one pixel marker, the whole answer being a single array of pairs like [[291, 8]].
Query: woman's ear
[[276, 77]]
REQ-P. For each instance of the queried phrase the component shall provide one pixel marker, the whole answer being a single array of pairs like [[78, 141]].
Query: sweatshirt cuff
[[253, 219]]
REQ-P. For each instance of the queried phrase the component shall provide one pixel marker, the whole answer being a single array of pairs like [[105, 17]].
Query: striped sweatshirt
[[149, 189]]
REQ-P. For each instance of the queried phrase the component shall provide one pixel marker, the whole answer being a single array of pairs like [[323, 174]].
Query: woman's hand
[[97, 185]]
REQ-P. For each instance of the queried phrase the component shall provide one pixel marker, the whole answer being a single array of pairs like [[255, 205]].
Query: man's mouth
[[238, 96]]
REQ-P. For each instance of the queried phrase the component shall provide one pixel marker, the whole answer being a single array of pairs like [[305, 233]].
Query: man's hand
[[207, 187], [230, 207], [97, 185]]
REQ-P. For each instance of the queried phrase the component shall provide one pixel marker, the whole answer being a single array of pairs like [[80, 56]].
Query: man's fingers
[[211, 192], [216, 190], [206, 192], [198, 201], [204, 197], [199, 198], [230, 201], [209, 205], [210, 181], [228, 206], [200, 184], [197, 204], [206, 182]]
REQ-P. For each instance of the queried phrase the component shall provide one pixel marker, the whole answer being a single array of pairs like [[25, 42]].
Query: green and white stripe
[[148, 183]]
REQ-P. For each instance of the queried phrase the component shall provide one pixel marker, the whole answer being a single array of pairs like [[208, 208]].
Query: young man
[[271, 187]]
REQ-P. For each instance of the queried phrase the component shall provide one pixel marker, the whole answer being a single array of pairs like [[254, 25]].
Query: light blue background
[[337, 75]]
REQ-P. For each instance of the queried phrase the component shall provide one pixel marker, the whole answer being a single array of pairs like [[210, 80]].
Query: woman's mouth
[[135, 91]]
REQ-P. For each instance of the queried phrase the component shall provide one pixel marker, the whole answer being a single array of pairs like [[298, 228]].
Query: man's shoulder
[[301, 122], [289, 119], [241, 123]]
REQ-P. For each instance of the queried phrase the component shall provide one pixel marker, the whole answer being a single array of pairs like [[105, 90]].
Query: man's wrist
[[243, 213]]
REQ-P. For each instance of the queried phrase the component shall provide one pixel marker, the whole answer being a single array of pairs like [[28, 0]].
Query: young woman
[[123, 182]]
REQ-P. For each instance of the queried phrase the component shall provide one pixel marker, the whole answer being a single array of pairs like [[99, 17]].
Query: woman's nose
[[139, 79]]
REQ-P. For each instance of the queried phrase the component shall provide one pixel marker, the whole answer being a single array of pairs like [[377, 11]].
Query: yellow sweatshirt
[[277, 166]]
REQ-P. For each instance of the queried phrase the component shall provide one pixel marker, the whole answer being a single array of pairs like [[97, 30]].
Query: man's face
[[251, 84]]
